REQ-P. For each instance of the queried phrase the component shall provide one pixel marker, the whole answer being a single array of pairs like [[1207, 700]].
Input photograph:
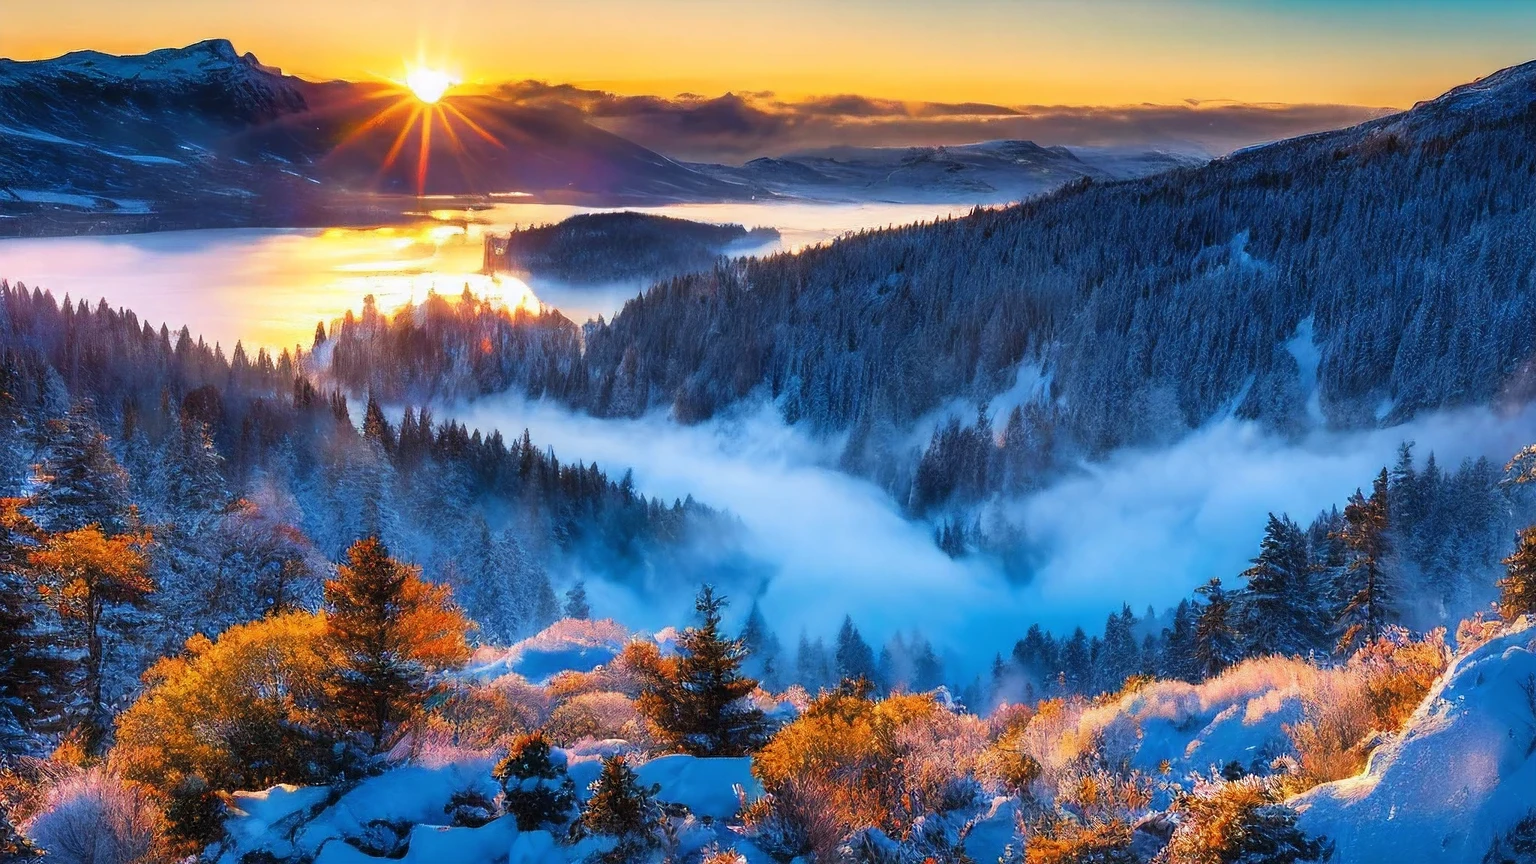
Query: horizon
[[1032, 54]]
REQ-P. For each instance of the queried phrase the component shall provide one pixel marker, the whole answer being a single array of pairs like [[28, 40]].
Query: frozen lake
[[269, 287]]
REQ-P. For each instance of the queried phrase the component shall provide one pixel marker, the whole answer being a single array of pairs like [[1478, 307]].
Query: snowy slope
[[405, 814], [1462, 773]]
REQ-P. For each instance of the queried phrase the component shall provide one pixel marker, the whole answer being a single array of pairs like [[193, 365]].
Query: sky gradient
[[1091, 52]]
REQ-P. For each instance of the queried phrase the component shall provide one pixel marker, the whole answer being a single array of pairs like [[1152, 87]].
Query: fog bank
[[1143, 527]]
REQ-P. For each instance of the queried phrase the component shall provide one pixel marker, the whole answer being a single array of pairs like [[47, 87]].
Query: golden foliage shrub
[[244, 712], [851, 763]]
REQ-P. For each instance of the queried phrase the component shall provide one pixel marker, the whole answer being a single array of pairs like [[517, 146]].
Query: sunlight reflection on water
[[270, 287]]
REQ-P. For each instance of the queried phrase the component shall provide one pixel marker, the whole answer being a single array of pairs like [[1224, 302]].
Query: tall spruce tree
[[1278, 612], [1216, 646], [80, 482], [699, 706], [390, 632], [1366, 593], [855, 659]]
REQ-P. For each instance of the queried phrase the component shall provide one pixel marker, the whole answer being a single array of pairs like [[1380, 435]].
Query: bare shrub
[[97, 818], [598, 715]]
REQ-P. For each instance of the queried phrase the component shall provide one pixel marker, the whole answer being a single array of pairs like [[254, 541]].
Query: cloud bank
[[739, 126]]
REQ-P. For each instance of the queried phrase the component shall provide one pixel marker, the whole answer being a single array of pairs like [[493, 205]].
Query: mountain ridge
[[204, 136]]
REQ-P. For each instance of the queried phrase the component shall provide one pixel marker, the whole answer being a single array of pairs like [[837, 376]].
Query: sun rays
[[419, 107]]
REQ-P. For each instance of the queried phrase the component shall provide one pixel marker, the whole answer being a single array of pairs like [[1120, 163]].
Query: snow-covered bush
[[98, 818], [1374, 692], [622, 814], [536, 789], [1240, 820]]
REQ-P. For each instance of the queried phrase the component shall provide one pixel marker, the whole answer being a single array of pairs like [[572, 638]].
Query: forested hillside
[[1348, 278], [234, 482]]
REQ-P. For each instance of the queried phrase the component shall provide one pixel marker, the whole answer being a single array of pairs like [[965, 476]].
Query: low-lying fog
[[1144, 527]]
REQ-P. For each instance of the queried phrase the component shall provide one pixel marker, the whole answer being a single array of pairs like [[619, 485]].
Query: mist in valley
[[1143, 527]]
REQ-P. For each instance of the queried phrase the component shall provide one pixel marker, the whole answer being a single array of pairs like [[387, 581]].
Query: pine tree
[[1178, 659], [1077, 662], [576, 602], [855, 659], [699, 706], [762, 648], [1278, 612], [1215, 645], [1517, 590], [622, 809], [535, 786], [1366, 591], [390, 631], [80, 483], [189, 472]]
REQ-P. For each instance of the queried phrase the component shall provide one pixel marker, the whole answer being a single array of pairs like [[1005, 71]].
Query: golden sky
[[1089, 52]]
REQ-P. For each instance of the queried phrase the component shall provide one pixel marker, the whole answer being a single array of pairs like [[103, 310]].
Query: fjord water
[[269, 287]]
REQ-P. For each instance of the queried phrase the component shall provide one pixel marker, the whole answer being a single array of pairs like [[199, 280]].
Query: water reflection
[[269, 287]]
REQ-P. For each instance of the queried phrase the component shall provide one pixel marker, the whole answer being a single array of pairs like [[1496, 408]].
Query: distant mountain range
[[204, 136]]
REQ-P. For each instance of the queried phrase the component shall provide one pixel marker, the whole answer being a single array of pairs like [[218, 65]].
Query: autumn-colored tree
[[1517, 590], [699, 706], [243, 712], [32, 674], [1240, 820], [389, 632], [95, 583]]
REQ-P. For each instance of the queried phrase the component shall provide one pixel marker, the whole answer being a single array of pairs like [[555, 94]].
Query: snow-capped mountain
[[204, 136], [990, 172]]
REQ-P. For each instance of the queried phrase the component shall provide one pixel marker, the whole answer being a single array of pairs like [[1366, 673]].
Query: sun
[[428, 85]]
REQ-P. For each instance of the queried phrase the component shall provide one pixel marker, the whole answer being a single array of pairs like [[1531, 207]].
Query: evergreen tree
[[1278, 612], [1517, 590], [855, 659], [390, 632], [80, 483], [190, 482], [927, 668], [1077, 662], [535, 786], [813, 664], [576, 602], [33, 677], [699, 706], [1178, 657], [620, 808], [1119, 656], [1365, 591], [1216, 646], [763, 649]]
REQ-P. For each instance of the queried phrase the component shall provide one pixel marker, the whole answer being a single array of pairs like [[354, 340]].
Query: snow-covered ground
[[1462, 773]]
